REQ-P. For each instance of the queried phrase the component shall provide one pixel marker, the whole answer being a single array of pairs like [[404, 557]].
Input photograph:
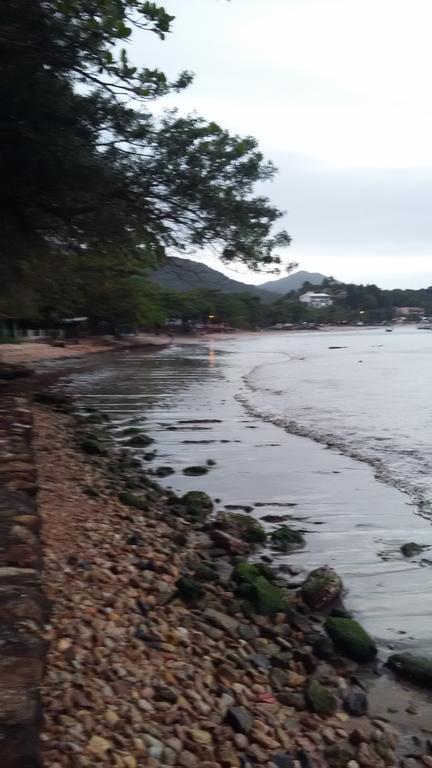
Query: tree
[[87, 169]]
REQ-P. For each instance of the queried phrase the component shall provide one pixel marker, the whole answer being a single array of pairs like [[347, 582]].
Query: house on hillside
[[409, 311], [316, 300]]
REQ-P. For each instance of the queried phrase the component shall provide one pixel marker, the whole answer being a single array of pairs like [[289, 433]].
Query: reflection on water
[[189, 398]]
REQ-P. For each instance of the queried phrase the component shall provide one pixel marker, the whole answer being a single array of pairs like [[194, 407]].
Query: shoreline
[[82, 569]]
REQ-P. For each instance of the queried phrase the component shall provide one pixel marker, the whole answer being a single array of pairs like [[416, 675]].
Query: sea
[[329, 430]]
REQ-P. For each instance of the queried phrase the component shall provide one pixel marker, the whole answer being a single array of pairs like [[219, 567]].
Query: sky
[[338, 94]]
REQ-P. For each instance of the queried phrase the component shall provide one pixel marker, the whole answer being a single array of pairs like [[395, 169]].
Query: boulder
[[321, 588], [416, 669], [197, 505], [131, 500], [267, 599], [249, 572], [351, 638], [320, 699], [243, 527]]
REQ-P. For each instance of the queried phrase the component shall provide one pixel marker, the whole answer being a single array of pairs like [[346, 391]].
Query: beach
[[141, 673]]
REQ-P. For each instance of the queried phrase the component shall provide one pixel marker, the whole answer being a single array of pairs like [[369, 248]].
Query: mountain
[[293, 282], [185, 275]]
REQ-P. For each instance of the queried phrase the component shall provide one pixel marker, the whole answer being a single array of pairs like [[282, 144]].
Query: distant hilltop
[[186, 275], [294, 281]]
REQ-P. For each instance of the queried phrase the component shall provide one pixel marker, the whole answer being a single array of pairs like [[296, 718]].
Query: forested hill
[[185, 275]]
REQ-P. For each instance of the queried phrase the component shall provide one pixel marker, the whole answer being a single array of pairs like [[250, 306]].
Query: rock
[[164, 693], [241, 741], [267, 599], [417, 669], [323, 647], [222, 621], [321, 588], [187, 759], [189, 590], [99, 746], [205, 572], [411, 548], [351, 638], [197, 505], [320, 699], [229, 543], [140, 440], [355, 703], [247, 573], [367, 758], [195, 471], [242, 527], [131, 500], [282, 760], [239, 719], [305, 759], [338, 756], [286, 538], [200, 737]]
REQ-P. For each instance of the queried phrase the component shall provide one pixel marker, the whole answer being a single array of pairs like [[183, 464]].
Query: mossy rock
[[351, 638], [286, 538], [189, 590], [195, 471], [196, 505], [416, 669], [92, 446], [323, 647], [320, 699], [140, 441], [204, 572], [245, 527], [267, 599], [131, 431], [321, 588], [163, 471], [131, 500], [411, 548], [93, 493], [150, 456], [248, 573]]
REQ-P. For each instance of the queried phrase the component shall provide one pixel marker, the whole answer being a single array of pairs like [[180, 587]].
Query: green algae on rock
[[267, 599], [351, 638], [417, 669], [196, 505], [189, 590], [321, 588], [320, 699], [244, 527], [286, 538], [131, 500]]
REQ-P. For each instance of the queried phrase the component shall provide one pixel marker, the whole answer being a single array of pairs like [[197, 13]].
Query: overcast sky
[[338, 93]]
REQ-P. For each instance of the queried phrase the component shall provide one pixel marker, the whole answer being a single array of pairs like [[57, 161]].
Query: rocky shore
[[169, 648]]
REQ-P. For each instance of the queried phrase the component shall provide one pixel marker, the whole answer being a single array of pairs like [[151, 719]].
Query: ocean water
[[333, 429], [371, 398]]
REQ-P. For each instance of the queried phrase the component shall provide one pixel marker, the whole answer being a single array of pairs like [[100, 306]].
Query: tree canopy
[[88, 174]]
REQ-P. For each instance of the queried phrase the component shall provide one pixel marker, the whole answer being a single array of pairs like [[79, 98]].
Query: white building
[[317, 300]]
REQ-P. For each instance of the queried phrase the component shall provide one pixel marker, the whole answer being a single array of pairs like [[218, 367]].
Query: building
[[316, 300], [409, 311]]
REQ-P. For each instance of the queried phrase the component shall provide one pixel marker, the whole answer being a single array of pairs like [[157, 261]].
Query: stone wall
[[23, 609]]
